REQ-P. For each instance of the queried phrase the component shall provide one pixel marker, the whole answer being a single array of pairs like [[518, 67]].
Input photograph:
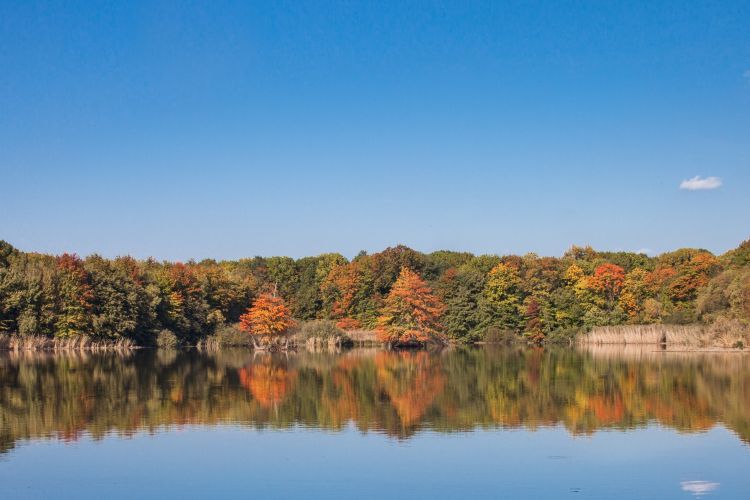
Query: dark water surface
[[474, 423]]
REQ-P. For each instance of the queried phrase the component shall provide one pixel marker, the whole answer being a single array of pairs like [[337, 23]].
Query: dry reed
[[363, 336], [39, 343], [724, 334]]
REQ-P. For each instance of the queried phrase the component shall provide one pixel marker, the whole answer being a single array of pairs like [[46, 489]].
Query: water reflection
[[699, 488], [398, 393]]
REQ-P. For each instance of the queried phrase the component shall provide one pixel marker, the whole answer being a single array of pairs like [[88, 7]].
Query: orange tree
[[268, 319], [411, 313], [608, 280]]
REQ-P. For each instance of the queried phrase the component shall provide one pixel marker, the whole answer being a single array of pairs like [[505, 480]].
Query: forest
[[403, 292]]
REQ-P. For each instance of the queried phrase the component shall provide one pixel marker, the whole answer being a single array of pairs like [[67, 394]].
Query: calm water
[[475, 423]]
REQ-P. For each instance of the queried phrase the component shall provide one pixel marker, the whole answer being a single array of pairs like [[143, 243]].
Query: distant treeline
[[486, 296]]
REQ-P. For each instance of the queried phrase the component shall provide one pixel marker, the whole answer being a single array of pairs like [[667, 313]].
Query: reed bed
[[363, 336], [644, 334], [82, 343], [209, 344], [331, 344], [720, 334]]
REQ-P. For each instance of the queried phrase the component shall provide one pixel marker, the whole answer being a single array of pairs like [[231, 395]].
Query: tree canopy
[[411, 312], [398, 290]]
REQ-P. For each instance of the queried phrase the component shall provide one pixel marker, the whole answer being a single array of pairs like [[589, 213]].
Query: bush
[[563, 336], [166, 339], [320, 332], [682, 314], [495, 335], [321, 329], [229, 335]]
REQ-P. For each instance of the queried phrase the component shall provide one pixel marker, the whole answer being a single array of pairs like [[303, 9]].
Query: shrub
[[563, 336], [321, 329], [495, 335], [229, 335], [166, 339]]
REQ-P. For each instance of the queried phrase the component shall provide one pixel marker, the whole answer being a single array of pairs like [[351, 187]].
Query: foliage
[[74, 297], [411, 312], [230, 335], [500, 303], [166, 339], [460, 291], [268, 317], [532, 296], [322, 329]]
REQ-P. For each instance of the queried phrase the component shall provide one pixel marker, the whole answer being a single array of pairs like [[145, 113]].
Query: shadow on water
[[398, 393]]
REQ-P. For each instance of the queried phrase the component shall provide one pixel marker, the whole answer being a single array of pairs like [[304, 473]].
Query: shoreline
[[36, 344]]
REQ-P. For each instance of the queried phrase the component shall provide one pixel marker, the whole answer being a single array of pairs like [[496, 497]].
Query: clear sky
[[230, 129]]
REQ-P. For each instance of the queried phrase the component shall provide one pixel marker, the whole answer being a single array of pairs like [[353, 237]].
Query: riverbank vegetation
[[721, 333], [403, 295]]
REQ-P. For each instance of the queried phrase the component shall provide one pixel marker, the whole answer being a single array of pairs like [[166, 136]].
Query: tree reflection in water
[[398, 393]]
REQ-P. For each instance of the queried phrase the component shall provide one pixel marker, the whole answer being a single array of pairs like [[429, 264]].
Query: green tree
[[501, 299], [74, 297]]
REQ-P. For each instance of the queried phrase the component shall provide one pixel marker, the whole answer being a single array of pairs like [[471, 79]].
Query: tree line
[[399, 291]]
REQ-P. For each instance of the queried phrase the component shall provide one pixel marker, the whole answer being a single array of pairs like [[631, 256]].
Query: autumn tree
[[692, 275], [74, 297], [340, 290], [501, 298], [267, 320], [634, 293], [179, 302], [411, 313], [598, 293], [608, 280], [573, 273], [532, 314]]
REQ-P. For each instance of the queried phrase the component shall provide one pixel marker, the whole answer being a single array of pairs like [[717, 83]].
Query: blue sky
[[230, 129]]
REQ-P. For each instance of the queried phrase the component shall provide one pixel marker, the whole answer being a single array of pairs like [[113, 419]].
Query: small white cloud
[[646, 251], [699, 182], [698, 488]]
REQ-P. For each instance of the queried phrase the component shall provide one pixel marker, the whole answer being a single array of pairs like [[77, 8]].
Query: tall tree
[[461, 291], [501, 298], [532, 314], [411, 313], [74, 297], [608, 280]]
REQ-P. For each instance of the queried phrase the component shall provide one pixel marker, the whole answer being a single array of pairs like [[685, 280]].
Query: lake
[[463, 423]]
